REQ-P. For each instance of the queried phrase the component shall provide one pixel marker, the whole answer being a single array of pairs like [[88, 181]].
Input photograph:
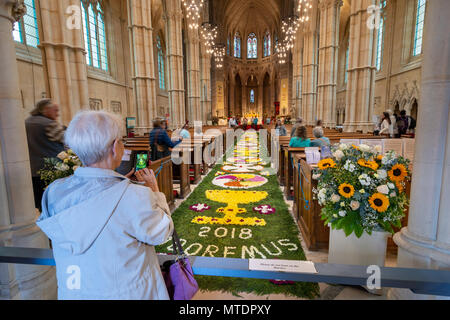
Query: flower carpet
[[238, 211]]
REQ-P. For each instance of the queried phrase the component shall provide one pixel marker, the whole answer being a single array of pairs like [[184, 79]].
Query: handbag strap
[[176, 245]]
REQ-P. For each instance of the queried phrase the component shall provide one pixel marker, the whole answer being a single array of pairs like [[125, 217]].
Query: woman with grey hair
[[103, 226], [319, 141]]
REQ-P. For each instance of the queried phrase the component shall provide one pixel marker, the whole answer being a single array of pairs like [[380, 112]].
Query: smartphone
[[141, 160]]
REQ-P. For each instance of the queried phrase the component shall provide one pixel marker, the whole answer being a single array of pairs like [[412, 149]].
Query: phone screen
[[141, 161]]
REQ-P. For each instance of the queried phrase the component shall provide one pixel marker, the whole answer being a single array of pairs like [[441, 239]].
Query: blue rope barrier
[[161, 167], [307, 205]]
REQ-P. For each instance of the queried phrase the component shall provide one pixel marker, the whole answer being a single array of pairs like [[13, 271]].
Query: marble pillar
[[328, 61], [232, 97], [141, 42], [260, 105], [309, 92], [205, 82], [425, 242], [297, 65], [361, 69], [193, 75], [64, 58], [17, 212], [174, 21]]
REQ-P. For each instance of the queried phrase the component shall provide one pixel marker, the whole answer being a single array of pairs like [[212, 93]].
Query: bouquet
[[360, 190], [62, 166]]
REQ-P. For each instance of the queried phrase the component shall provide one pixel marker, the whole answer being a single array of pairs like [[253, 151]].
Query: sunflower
[[346, 190], [355, 147], [398, 173], [326, 163], [380, 157], [379, 202], [368, 164]]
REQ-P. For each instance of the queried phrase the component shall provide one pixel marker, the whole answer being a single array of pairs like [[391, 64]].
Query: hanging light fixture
[[289, 27], [219, 54], [209, 32], [193, 9], [304, 6], [282, 51]]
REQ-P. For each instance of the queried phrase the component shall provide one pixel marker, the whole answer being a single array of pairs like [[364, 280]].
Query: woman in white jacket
[[104, 227], [386, 124]]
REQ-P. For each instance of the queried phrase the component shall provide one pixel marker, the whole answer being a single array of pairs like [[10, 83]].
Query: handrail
[[420, 281]]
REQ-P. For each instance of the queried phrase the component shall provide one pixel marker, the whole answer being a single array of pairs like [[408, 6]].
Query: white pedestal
[[367, 250]]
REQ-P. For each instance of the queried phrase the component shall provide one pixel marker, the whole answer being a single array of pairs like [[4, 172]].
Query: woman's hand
[[148, 176]]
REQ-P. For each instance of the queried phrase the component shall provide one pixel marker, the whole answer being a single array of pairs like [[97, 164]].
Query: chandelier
[[282, 51], [193, 8], [209, 34], [304, 6], [219, 54], [289, 27]]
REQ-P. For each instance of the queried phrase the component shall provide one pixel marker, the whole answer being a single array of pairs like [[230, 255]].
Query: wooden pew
[[181, 171], [288, 169], [165, 175]]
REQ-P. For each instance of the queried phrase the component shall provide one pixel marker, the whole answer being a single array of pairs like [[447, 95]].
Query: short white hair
[[91, 135], [318, 132]]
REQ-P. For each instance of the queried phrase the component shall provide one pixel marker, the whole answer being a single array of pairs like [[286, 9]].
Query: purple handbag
[[178, 274]]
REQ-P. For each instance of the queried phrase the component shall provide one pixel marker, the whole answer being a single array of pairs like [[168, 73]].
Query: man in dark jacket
[[45, 137]]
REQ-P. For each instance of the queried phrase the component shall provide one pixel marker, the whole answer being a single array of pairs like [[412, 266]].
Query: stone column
[[64, 58], [232, 95], [260, 98], [309, 92], [425, 242], [297, 64], [193, 74], [205, 82], [361, 69], [17, 212], [144, 80], [174, 21], [328, 61]]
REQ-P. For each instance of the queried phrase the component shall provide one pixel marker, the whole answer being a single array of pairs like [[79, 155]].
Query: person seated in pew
[[280, 129], [320, 140], [103, 223], [300, 140], [299, 123], [160, 143]]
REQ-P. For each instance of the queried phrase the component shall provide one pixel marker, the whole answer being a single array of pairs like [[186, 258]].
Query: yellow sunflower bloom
[[326, 163], [399, 186], [398, 173], [368, 164], [379, 202], [346, 190]]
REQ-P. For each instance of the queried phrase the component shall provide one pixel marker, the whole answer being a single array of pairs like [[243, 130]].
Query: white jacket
[[106, 227]]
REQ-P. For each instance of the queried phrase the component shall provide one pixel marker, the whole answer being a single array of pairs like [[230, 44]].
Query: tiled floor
[[327, 292]]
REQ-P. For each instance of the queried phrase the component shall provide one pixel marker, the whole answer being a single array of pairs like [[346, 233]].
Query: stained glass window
[[252, 96], [237, 45], [94, 35], [267, 43], [26, 30], [380, 38], [275, 44], [162, 79], [228, 46], [420, 19], [252, 46]]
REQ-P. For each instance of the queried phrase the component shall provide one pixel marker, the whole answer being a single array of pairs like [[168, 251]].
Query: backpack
[[412, 123]]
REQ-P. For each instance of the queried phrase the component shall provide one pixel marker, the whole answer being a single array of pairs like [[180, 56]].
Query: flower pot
[[367, 250]]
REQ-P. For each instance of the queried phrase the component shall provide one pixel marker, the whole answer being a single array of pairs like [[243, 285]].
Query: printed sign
[[293, 266]]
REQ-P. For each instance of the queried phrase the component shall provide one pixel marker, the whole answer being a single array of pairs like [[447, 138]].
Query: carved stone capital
[[13, 10]]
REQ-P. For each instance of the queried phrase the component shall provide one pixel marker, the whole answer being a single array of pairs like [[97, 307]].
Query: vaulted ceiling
[[248, 15]]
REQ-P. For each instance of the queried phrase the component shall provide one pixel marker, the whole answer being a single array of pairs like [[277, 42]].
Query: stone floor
[[327, 292]]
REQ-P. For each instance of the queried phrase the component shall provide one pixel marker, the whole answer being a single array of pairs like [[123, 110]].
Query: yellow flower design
[[368, 164]]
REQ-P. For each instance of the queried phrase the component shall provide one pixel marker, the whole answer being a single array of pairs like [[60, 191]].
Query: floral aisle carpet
[[238, 211]]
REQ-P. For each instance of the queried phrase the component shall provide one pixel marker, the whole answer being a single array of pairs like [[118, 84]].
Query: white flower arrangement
[[64, 165]]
